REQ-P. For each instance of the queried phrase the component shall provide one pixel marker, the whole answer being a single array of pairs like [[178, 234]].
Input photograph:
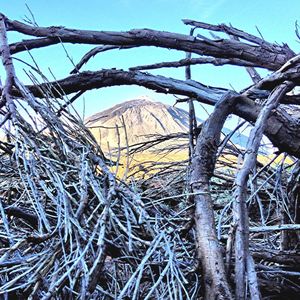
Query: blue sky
[[275, 19]]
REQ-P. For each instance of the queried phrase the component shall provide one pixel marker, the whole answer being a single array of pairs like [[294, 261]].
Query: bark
[[281, 129], [195, 61], [252, 279], [270, 58], [110, 77], [9, 70], [230, 30], [241, 49], [242, 260], [203, 163]]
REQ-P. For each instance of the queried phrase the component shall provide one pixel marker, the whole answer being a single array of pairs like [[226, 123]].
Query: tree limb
[[266, 58], [282, 131], [202, 167]]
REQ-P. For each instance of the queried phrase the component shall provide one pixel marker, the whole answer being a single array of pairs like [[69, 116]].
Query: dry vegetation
[[200, 229]]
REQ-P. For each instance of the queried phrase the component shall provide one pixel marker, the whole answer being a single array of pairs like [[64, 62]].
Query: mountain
[[143, 117]]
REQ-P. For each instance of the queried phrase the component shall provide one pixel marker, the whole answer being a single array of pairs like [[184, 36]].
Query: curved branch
[[111, 77], [202, 168], [94, 52], [282, 130], [223, 48]]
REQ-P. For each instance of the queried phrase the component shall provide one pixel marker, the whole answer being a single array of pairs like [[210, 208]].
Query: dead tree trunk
[[203, 163], [240, 205]]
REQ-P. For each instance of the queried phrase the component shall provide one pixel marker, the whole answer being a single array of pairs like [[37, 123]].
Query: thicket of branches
[[208, 227]]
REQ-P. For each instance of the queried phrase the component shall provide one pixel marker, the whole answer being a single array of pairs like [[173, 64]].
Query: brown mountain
[[142, 117]]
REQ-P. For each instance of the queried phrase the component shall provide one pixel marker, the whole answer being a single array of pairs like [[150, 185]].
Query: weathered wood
[[242, 260], [9, 69], [230, 30], [195, 61], [202, 167], [74, 213], [282, 130], [264, 57]]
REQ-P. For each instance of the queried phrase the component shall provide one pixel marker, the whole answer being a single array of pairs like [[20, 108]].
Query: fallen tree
[[71, 229]]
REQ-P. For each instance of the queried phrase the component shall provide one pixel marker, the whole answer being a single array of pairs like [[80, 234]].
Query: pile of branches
[[71, 229], [271, 203]]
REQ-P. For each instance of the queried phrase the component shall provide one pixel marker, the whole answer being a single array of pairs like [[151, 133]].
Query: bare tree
[[67, 196]]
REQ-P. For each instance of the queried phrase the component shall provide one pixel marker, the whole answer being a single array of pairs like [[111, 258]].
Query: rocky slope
[[142, 117]]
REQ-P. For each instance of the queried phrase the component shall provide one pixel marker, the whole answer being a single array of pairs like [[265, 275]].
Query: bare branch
[[94, 52], [278, 128], [239, 34], [195, 61], [267, 58], [240, 208]]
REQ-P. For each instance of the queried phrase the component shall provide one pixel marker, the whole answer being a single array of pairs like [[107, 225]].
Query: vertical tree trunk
[[244, 275], [203, 163], [208, 248]]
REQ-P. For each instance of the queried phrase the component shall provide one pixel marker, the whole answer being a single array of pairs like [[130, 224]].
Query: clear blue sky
[[275, 19]]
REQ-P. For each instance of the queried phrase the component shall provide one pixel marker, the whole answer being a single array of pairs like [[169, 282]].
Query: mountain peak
[[141, 101], [142, 116]]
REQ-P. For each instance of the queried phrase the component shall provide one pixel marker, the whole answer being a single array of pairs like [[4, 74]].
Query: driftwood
[[71, 229]]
